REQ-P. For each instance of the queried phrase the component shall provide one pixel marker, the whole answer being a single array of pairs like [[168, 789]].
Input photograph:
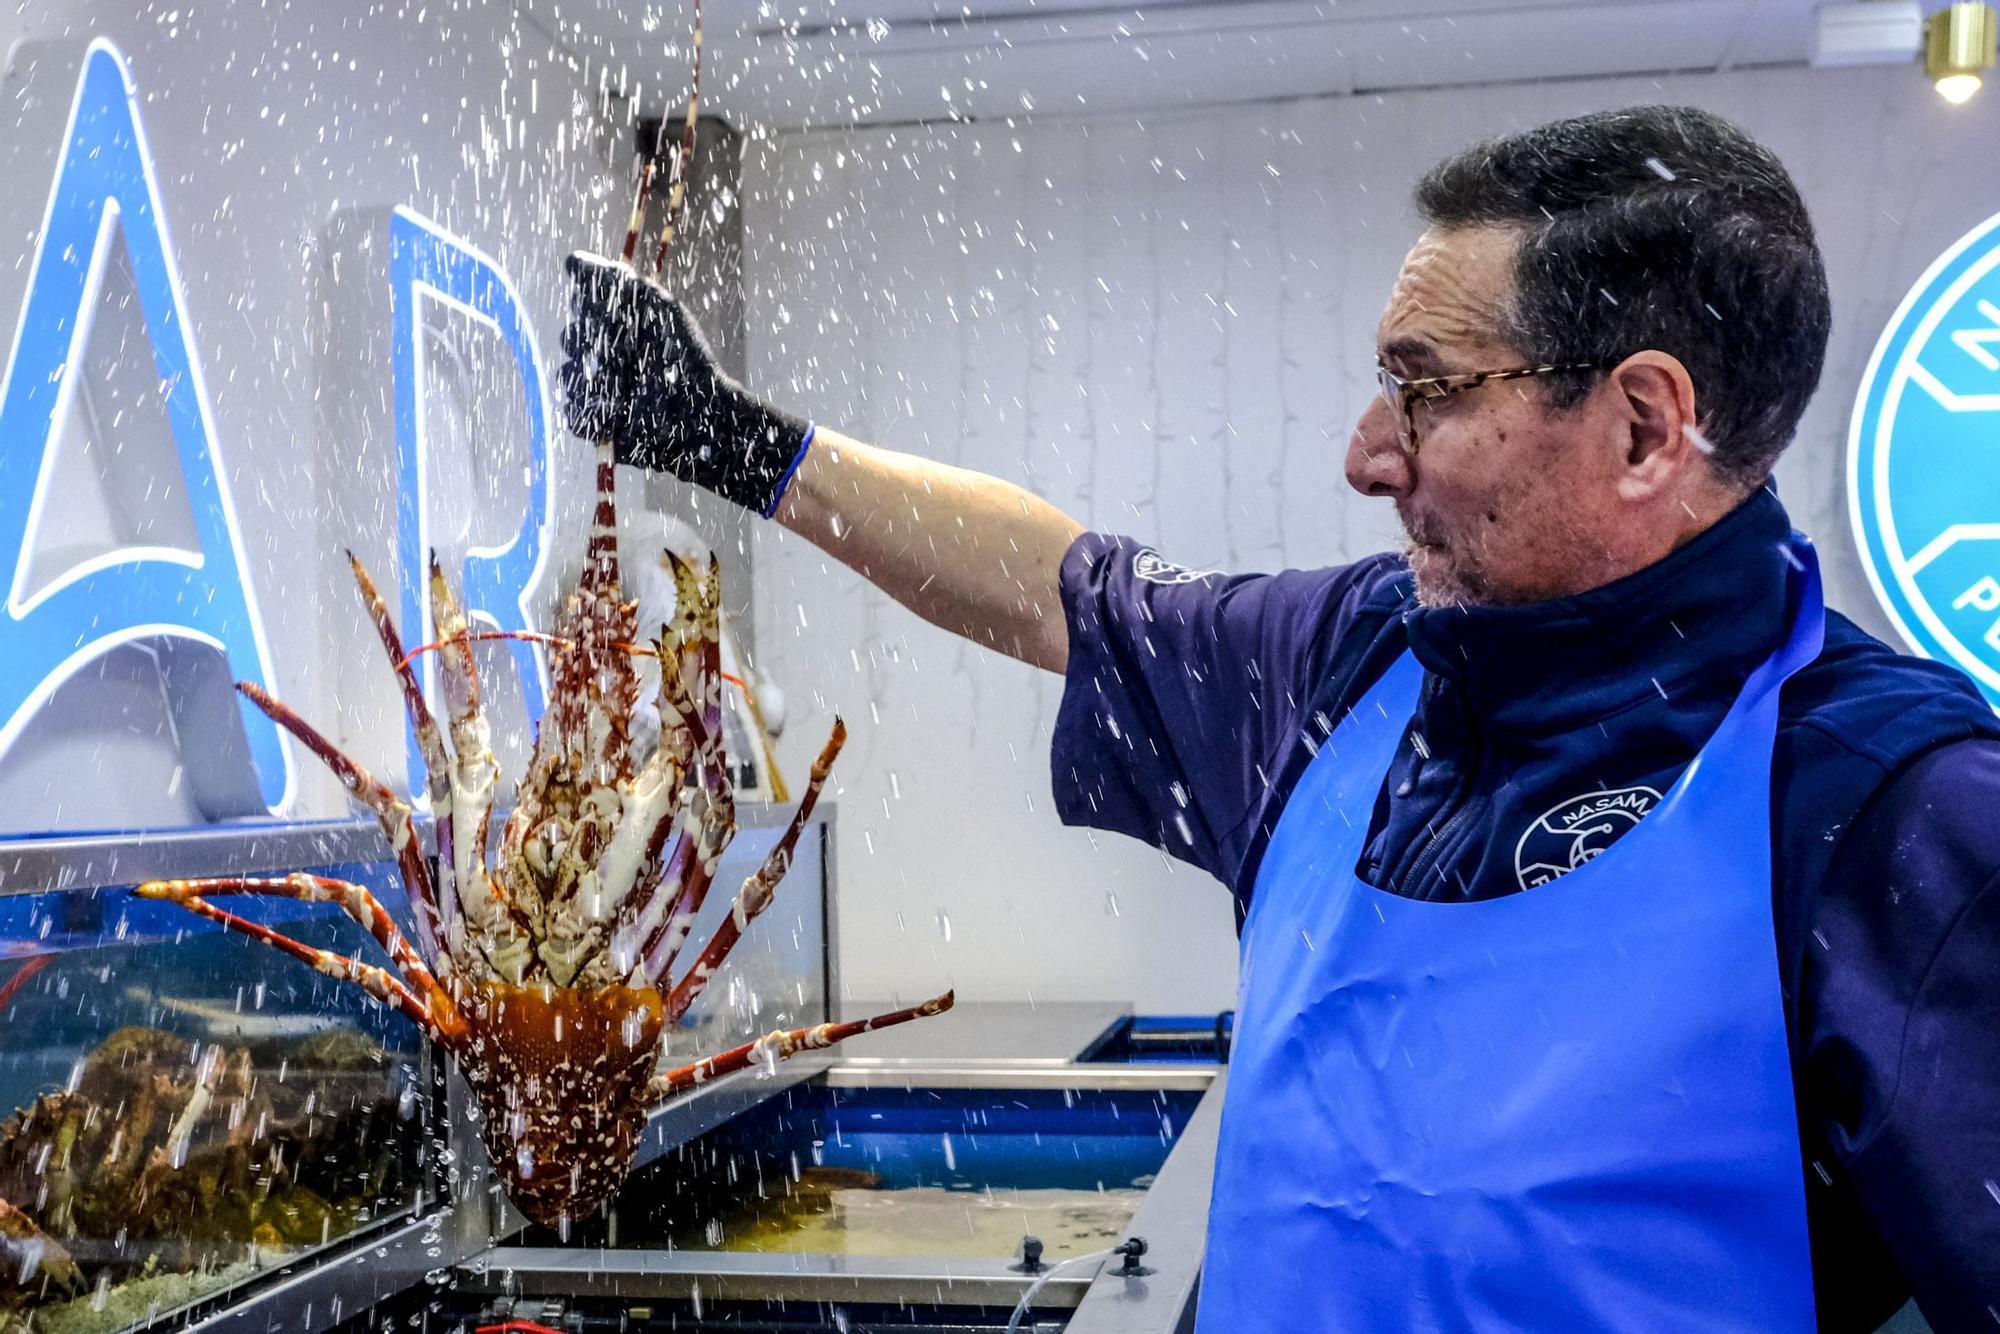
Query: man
[[1621, 933]]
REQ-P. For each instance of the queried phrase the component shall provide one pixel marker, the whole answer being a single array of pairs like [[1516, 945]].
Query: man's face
[[1499, 502]]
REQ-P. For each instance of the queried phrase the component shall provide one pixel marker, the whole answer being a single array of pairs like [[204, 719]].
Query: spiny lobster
[[546, 975]]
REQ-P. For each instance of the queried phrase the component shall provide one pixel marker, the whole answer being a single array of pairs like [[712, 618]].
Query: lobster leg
[[650, 911], [700, 653], [437, 763], [757, 890], [695, 691], [391, 810], [778, 1044], [475, 773], [432, 1011]]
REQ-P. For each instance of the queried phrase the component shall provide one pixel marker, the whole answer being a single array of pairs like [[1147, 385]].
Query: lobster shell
[[560, 1076]]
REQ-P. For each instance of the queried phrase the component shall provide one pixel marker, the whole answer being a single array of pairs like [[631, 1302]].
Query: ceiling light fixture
[[1960, 42]]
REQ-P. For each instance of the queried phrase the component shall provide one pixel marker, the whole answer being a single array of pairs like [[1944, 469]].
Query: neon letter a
[[104, 185]]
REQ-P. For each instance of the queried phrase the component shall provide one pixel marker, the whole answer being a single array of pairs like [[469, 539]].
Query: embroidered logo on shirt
[[1154, 568], [1568, 835]]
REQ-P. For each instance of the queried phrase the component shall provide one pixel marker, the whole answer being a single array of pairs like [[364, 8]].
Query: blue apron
[[1565, 1109]]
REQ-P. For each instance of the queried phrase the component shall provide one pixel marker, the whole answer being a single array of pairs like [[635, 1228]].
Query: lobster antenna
[[677, 176], [645, 189]]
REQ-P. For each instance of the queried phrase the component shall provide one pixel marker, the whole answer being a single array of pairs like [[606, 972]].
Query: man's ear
[[1660, 435]]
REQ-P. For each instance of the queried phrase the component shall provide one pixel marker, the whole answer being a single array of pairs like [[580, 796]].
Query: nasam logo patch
[[1570, 833], [1154, 568]]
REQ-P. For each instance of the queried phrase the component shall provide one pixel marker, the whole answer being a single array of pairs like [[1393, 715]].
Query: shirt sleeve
[[1904, 1044], [1182, 690]]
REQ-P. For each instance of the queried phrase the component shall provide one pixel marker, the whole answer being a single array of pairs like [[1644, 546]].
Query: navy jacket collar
[[1717, 605]]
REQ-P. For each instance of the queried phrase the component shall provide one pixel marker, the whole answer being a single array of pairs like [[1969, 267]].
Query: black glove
[[637, 371]]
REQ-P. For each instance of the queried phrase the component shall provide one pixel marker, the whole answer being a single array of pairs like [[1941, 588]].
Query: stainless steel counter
[[550, 1271], [1173, 1218]]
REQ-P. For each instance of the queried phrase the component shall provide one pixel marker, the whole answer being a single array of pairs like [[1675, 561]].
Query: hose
[[1028, 1297]]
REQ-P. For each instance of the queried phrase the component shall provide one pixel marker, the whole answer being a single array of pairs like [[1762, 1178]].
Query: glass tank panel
[[184, 1108], [776, 975]]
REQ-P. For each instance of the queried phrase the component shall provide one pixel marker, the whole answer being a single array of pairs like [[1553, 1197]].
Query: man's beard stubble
[[1443, 577], [1455, 570]]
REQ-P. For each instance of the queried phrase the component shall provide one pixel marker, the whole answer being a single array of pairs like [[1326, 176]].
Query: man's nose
[[1376, 462]]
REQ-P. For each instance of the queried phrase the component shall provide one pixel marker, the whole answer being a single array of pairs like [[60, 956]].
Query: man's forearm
[[967, 552]]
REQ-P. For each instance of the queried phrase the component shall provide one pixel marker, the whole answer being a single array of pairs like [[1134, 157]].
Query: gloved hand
[[637, 371]]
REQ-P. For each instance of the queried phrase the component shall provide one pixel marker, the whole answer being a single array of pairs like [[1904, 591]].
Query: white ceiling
[[839, 62]]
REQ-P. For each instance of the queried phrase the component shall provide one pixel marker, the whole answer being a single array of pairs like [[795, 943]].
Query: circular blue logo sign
[[1923, 461]]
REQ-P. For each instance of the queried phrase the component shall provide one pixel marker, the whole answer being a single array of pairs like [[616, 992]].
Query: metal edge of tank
[[1173, 1219], [575, 1272], [987, 1074], [41, 864], [62, 862]]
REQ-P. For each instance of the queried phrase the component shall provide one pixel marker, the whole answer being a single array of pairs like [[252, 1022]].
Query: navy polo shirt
[[1194, 700]]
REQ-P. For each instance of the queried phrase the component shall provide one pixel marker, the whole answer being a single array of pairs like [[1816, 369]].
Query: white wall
[[1164, 325]]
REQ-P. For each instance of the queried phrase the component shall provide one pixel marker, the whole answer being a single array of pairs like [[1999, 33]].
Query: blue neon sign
[[1924, 461], [105, 186], [428, 263]]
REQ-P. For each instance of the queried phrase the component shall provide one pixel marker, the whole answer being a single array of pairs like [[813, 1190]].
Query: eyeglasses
[[1404, 395]]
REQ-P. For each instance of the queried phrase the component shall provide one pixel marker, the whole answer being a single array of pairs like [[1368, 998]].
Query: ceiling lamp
[[1959, 42]]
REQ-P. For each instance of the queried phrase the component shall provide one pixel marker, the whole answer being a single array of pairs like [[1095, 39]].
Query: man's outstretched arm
[[967, 552]]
